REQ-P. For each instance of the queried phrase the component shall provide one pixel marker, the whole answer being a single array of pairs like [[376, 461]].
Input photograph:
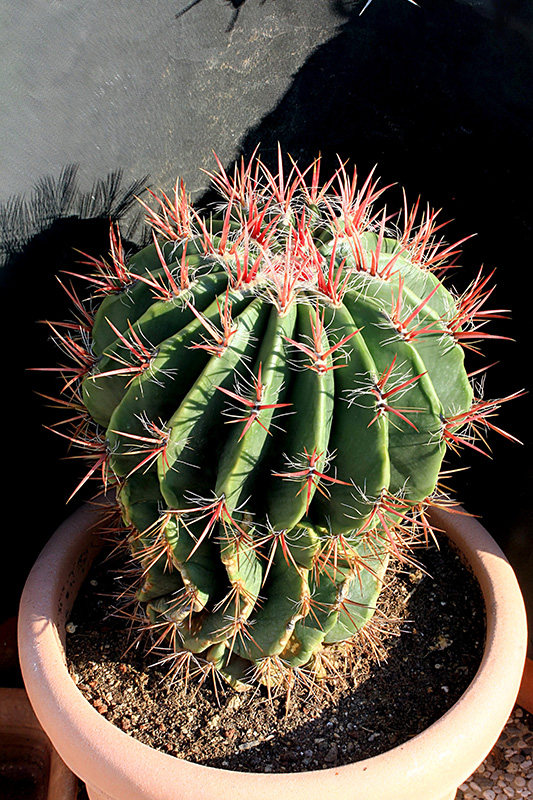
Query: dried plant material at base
[[427, 667]]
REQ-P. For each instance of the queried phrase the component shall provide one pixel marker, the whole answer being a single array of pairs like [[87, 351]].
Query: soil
[[432, 625]]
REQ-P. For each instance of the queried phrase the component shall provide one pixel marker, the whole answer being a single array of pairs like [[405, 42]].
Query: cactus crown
[[272, 388]]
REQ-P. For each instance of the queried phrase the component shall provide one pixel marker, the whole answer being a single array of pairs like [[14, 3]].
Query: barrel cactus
[[271, 388]]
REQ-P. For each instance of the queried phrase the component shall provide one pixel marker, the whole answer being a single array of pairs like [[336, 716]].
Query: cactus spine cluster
[[272, 388]]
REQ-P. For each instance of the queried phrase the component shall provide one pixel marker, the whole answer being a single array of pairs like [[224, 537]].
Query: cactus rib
[[272, 387]]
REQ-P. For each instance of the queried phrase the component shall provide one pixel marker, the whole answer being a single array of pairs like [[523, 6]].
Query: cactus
[[272, 388]]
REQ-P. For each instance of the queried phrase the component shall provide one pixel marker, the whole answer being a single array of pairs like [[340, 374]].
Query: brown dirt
[[439, 614]]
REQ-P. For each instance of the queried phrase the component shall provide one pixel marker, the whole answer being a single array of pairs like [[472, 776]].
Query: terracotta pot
[[525, 695], [29, 765], [114, 766]]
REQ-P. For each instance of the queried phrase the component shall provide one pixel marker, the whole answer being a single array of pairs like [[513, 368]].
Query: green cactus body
[[277, 388]]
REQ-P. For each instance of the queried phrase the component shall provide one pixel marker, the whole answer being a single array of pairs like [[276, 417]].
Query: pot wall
[[120, 768], [26, 749]]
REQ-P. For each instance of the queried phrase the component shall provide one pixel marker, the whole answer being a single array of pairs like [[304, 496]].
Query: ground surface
[[507, 771]]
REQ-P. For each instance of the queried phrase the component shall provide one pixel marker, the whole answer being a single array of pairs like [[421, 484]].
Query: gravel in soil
[[430, 626]]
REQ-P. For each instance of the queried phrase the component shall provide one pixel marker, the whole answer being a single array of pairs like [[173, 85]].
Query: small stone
[[519, 781], [475, 786], [530, 785], [498, 756], [248, 745], [509, 791], [234, 702], [489, 794], [331, 755]]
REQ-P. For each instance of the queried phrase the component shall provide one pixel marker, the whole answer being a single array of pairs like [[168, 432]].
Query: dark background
[[99, 100]]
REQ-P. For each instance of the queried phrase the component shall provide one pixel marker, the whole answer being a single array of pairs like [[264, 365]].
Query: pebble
[[507, 772], [248, 745], [331, 755], [234, 702]]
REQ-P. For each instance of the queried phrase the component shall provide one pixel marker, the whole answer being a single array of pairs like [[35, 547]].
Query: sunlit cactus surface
[[271, 387]]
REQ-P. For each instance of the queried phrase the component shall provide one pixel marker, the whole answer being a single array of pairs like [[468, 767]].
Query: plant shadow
[[42, 238]]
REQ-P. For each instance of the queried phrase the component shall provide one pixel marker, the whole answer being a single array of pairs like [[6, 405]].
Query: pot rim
[[453, 746]]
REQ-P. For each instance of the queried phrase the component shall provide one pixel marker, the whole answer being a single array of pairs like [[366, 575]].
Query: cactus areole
[[271, 388]]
